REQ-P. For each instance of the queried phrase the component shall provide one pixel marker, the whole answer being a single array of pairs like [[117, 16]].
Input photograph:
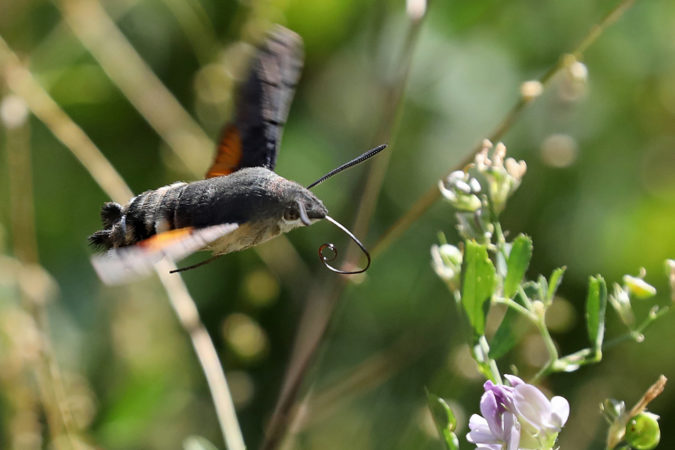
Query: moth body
[[241, 203], [261, 202]]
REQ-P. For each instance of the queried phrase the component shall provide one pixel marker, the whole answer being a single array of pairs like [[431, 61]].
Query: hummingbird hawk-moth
[[242, 202]]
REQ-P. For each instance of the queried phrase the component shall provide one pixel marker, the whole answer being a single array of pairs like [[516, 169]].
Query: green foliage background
[[129, 369]]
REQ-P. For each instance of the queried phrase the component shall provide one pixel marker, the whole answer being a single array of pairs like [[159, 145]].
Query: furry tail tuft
[[111, 213]]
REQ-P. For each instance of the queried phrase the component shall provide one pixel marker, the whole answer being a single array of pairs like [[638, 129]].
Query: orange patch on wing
[[229, 153], [160, 241]]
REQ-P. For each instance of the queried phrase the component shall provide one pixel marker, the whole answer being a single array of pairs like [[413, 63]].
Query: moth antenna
[[369, 154], [327, 259], [194, 266]]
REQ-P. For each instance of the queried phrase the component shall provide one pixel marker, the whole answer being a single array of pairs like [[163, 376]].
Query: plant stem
[[34, 301], [635, 333], [187, 314], [514, 305], [22, 83], [617, 430], [111, 49], [491, 363], [427, 199], [550, 347], [320, 307]]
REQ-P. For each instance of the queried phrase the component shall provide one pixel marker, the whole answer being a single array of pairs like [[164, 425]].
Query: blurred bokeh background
[[598, 197]]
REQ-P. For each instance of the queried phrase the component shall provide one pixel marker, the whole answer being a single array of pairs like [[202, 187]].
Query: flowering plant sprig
[[517, 416], [486, 269]]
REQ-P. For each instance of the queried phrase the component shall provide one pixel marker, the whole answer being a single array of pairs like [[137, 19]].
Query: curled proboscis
[[326, 259]]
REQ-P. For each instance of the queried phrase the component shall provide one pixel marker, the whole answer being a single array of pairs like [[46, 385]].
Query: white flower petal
[[480, 431], [511, 431], [531, 405], [561, 409]]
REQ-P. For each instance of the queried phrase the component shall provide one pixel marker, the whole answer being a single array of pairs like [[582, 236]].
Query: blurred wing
[[262, 105], [124, 264]]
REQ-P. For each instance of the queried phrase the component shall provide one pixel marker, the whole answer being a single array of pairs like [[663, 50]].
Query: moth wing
[[125, 264], [252, 139]]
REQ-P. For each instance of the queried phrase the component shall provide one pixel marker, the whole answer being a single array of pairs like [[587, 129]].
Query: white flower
[[446, 260], [461, 190], [502, 174]]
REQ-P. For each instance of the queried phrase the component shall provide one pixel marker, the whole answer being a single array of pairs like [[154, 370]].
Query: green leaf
[[478, 281], [554, 282], [542, 288], [509, 332], [596, 307], [517, 264], [445, 420]]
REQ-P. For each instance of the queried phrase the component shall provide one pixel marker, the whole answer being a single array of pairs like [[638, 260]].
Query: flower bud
[[503, 175], [639, 287], [13, 111], [446, 260], [474, 226], [670, 271], [620, 301], [461, 190], [642, 431], [531, 89]]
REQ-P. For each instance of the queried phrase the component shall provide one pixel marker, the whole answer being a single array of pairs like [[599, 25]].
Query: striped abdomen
[[146, 214]]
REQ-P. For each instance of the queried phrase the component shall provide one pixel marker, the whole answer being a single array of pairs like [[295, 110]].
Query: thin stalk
[[318, 313], [98, 32], [427, 199], [617, 430], [358, 380], [195, 23], [21, 82], [22, 217], [60, 36], [636, 333], [186, 311], [500, 238], [313, 326], [125, 67], [491, 363], [526, 300], [550, 348], [519, 308]]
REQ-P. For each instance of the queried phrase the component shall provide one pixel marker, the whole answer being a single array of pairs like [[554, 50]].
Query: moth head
[[300, 207]]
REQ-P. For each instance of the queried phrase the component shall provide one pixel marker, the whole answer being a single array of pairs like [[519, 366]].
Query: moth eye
[[291, 214]]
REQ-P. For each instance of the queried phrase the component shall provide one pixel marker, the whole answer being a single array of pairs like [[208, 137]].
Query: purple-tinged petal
[[480, 431], [490, 410], [511, 431], [488, 385], [532, 405], [514, 380], [503, 394]]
